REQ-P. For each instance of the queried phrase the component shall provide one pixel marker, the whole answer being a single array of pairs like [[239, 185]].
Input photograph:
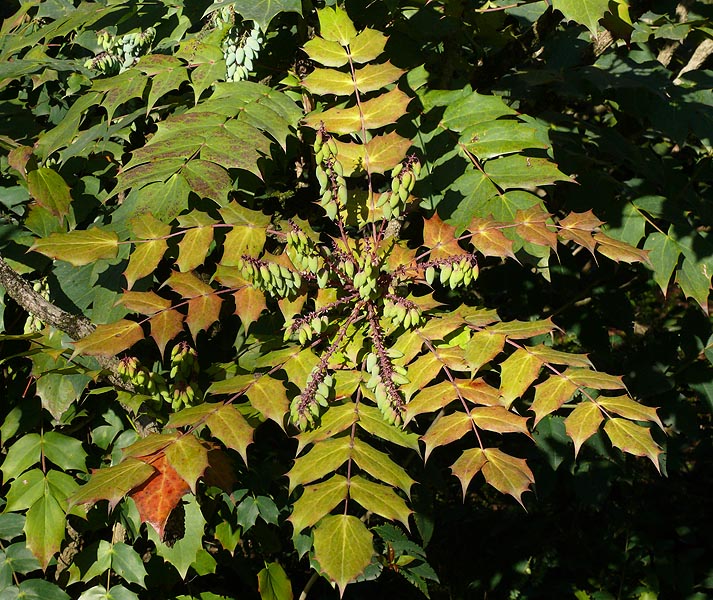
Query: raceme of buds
[[305, 408], [452, 272], [241, 47], [403, 178], [270, 277]]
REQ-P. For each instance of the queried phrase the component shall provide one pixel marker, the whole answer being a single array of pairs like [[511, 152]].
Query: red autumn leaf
[[160, 494]]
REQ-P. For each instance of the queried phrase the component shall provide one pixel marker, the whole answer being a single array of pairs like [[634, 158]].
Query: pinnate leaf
[[165, 326], [269, 396], [113, 483], [343, 547], [379, 499], [193, 248], [317, 501], [368, 45], [629, 409], [469, 463], [203, 311], [380, 466], [335, 420], [499, 419], [377, 112], [372, 421], [188, 457], [109, 339], [488, 239], [325, 457], [506, 473], [231, 428], [446, 429], [336, 26], [483, 347], [146, 303], [328, 53], [79, 247], [619, 251], [595, 379], [550, 395], [160, 494], [144, 260], [582, 423], [517, 372], [633, 439]]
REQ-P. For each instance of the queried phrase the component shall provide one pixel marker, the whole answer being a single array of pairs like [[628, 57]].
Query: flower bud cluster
[[305, 408], [453, 272], [122, 52], [384, 376], [32, 323], [302, 250], [401, 312], [270, 277], [240, 46], [179, 392], [403, 178], [330, 175]]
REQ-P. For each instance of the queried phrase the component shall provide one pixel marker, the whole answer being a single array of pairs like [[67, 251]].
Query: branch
[[75, 326]]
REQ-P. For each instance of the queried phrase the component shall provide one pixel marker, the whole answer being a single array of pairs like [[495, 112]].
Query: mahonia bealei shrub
[[362, 360]]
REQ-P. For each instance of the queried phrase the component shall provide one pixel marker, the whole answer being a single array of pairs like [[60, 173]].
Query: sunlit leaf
[[506, 473], [467, 466], [343, 547], [629, 409], [633, 439], [317, 501], [113, 483], [231, 428], [188, 457], [269, 396], [517, 372], [445, 430], [482, 347], [582, 423], [165, 326], [50, 191], [109, 339], [376, 113], [325, 457], [79, 247], [335, 25], [380, 466], [550, 395], [499, 419], [159, 494], [379, 499]]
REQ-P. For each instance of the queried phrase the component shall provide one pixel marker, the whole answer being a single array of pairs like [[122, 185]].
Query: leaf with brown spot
[[160, 494]]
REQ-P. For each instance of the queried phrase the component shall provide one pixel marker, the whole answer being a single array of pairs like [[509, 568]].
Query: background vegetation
[[259, 259]]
